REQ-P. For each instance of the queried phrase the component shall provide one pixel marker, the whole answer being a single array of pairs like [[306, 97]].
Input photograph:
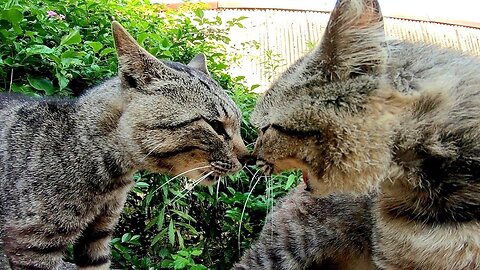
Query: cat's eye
[[219, 128]]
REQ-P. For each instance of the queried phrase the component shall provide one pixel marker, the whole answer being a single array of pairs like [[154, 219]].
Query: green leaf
[[150, 224], [142, 185], [231, 190], [180, 263], [253, 87], [196, 252], [189, 227], [290, 181], [199, 13], [71, 38], [161, 219], [96, 46], [171, 233], [54, 58], [184, 215], [142, 37], [199, 267], [184, 253], [149, 198], [126, 237], [38, 49], [159, 236], [106, 51], [62, 81], [135, 238], [13, 15], [180, 240], [42, 84]]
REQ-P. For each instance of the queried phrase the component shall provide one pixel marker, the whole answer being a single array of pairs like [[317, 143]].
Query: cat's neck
[[98, 116]]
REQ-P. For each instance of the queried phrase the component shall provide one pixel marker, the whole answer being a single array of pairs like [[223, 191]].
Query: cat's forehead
[[194, 90], [302, 93]]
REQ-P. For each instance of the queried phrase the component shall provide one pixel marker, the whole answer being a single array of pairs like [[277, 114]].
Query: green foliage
[[50, 47]]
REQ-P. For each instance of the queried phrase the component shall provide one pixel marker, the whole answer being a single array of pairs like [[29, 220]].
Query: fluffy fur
[[66, 165], [360, 115]]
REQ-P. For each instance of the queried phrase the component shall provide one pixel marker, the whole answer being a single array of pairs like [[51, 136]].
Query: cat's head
[[177, 117], [331, 114]]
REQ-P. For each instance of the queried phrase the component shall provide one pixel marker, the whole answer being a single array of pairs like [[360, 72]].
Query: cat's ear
[[354, 40], [137, 67], [199, 62]]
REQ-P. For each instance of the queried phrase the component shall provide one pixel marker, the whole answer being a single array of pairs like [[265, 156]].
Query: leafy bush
[[60, 48]]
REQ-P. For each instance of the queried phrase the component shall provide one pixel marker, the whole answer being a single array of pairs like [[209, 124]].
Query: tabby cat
[[66, 165], [387, 135]]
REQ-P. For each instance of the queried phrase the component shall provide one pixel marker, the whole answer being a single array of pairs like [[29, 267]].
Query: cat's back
[[29, 123], [446, 84], [425, 67], [16, 107]]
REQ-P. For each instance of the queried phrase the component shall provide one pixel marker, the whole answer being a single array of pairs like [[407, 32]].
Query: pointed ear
[[137, 67], [354, 40], [199, 62]]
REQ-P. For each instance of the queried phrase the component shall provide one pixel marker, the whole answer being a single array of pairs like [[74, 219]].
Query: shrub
[[60, 48]]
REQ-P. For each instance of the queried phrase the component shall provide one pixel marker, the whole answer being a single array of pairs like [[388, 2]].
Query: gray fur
[[360, 115], [67, 164]]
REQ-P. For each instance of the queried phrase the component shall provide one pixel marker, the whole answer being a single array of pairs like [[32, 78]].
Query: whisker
[[250, 144], [218, 188], [267, 197], [270, 180], [180, 174], [177, 197], [151, 151], [189, 188], [250, 184], [244, 207]]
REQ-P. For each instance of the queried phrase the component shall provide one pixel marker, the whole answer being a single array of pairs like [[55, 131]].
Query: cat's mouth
[[305, 178], [268, 168], [216, 170]]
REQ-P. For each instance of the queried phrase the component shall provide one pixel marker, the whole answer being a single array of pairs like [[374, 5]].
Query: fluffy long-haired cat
[[66, 165], [387, 135]]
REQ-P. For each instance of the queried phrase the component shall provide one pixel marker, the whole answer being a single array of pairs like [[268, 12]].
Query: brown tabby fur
[[66, 165], [363, 115]]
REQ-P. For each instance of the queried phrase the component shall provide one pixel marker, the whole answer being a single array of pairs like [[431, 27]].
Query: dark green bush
[[62, 47]]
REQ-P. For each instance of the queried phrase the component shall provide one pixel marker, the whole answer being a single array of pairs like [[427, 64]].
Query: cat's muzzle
[[265, 167]]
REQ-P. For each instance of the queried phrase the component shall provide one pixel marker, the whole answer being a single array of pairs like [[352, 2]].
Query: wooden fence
[[282, 36]]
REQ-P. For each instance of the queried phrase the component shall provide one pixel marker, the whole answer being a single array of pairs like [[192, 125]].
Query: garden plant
[[60, 48]]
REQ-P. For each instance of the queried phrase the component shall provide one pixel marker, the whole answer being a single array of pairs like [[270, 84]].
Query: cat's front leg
[[308, 233], [34, 246], [92, 250]]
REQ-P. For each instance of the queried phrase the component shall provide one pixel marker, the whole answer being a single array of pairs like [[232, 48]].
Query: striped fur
[[66, 165], [365, 115]]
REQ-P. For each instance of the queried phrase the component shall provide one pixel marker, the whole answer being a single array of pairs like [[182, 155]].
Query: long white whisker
[[250, 184], [218, 188], [250, 144], [151, 151], [178, 175], [188, 189], [245, 206], [267, 196], [270, 180]]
